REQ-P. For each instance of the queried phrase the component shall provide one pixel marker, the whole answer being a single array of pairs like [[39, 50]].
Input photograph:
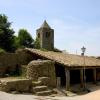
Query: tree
[[16, 42], [25, 39], [6, 34], [37, 43]]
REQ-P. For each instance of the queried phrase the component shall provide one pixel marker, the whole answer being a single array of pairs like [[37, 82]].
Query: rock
[[44, 93], [40, 88], [20, 85], [15, 92]]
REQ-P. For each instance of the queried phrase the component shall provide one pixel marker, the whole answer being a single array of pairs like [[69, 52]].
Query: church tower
[[46, 36]]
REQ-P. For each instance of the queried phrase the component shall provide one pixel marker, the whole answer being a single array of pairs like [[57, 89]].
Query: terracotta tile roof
[[69, 60]]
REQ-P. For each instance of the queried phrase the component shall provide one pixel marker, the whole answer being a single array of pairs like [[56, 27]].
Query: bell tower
[[46, 36]]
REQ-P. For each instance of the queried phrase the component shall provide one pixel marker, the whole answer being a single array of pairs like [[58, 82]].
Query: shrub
[[2, 50]]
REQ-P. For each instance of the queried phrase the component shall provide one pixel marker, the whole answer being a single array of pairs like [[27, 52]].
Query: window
[[38, 35], [47, 34]]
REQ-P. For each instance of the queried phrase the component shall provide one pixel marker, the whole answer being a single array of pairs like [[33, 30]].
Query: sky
[[76, 23]]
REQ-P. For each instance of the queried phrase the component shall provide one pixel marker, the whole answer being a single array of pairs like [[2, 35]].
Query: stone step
[[36, 83], [44, 80], [44, 93], [40, 88]]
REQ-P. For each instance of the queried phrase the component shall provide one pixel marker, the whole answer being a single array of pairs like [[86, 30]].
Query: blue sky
[[76, 22]]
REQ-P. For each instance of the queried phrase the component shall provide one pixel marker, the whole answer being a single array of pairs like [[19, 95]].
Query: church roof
[[45, 25]]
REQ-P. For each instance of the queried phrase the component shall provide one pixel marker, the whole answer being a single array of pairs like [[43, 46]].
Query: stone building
[[70, 68], [46, 36]]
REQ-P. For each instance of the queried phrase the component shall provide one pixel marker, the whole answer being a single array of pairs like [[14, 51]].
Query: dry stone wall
[[10, 61], [20, 85], [42, 68]]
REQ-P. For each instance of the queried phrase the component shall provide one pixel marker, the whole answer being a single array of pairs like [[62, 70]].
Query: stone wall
[[9, 62], [19, 85], [42, 68]]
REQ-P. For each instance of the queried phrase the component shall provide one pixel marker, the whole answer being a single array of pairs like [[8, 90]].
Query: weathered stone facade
[[9, 62], [42, 68], [46, 36]]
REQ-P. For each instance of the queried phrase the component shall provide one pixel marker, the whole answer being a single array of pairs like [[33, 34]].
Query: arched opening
[[47, 34], [38, 35]]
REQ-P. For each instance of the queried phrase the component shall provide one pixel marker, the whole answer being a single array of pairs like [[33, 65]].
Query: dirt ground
[[90, 96], [93, 95]]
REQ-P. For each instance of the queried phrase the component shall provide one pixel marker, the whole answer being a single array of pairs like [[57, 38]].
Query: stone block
[[21, 85], [44, 93], [42, 68], [40, 88]]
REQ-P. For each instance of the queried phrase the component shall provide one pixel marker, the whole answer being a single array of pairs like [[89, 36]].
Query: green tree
[[37, 43], [6, 34], [16, 42], [25, 39]]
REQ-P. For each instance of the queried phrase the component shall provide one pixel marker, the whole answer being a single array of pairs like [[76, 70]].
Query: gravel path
[[90, 96]]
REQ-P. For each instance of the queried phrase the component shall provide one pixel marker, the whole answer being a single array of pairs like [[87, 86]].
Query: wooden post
[[58, 82], [94, 75], [81, 78], [67, 73]]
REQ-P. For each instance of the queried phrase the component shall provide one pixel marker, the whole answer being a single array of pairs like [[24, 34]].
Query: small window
[[38, 35], [47, 34]]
